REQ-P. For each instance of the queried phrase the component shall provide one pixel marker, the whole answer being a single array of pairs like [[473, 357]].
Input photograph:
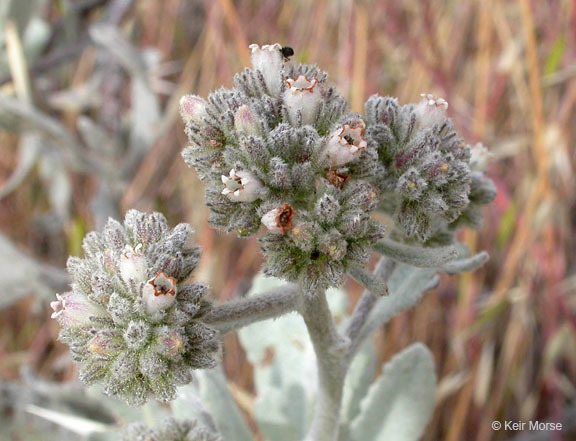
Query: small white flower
[[133, 265], [270, 62], [159, 293], [431, 110], [241, 186], [479, 157], [192, 108], [302, 96], [345, 145], [279, 220], [72, 309], [245, 120]]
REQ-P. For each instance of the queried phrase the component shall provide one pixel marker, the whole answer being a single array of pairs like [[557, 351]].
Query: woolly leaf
[[400, 403]]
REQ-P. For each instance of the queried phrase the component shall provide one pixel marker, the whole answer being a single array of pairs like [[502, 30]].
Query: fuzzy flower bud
[[302, 99], [479, 157], [192, 108], [430, 111], [133, 265], [279, 220], [241, 186], [72, 309], [270, 62], [344, 145], [246, 121], [122, 327]]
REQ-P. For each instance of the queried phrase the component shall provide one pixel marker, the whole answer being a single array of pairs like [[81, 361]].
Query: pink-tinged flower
[[133, 265], [245, 120], [431, 110], [241, 186], [345, 145], [303, 97], [192, 108], [279, 220], [73, 309], [159, 293], [269, 61]]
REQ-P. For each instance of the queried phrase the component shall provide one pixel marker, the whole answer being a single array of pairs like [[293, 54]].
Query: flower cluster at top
[[434, 182], [170, 430], [132, 323], [280, 150]]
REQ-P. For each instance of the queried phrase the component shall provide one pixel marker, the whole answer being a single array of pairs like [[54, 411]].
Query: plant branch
[[330, 348], [385, 310], [382, 273], [373, 284], [416, 256], [235, 314]]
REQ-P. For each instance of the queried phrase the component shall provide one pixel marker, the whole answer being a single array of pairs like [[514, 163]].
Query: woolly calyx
[[427, 184], [170, 430], [132, 322]]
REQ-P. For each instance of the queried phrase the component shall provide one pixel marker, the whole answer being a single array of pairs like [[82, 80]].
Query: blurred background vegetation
[[89, 128]]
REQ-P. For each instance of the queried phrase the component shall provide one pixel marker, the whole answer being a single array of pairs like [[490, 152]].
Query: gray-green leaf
[[399, 404]]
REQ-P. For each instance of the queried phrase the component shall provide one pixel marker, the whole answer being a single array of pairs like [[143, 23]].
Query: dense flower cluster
[[271, 151], [428, 187], [131, 321], [170, 430]]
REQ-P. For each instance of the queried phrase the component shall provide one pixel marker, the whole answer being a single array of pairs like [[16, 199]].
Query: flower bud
[[241, 186], [345, 145], [479, 157], [103, 345], [279, 220], [133, 265], [74, 309], [246, 121], [302, 99], [192, 108], [430, 111], [171, 343], [159, 293], [269, 61]]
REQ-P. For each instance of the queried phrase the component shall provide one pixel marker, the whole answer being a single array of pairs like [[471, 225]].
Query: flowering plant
[[282, 158]]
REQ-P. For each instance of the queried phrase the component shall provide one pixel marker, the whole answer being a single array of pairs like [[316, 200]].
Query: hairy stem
[[382, 273], [330, 348], [236, 314]]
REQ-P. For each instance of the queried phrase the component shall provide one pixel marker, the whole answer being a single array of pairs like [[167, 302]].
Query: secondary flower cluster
[[170, 430], [271, 151], [131, 321], [429, 187]]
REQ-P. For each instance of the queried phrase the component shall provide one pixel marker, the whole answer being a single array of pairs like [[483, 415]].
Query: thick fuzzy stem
[[236, 314], [330, 350]]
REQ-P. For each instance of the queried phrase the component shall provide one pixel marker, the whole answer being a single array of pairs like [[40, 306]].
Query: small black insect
[[287, 52]]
